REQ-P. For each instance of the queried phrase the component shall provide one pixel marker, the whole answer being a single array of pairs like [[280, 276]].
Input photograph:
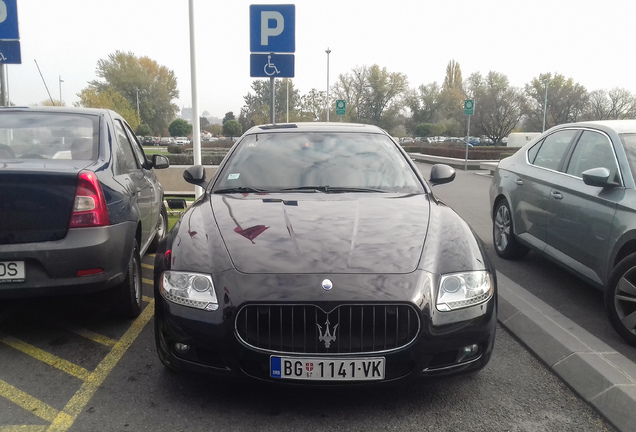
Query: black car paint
[[204, 240]]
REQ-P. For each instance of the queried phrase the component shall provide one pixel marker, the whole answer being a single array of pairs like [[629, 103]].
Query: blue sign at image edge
[[10, 52], [9, 27]]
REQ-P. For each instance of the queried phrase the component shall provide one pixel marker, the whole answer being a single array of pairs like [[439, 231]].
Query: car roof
[[316, 127], [619, 126], [58, 109]]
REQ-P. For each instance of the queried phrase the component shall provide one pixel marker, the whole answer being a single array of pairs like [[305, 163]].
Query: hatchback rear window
[[54, 136]]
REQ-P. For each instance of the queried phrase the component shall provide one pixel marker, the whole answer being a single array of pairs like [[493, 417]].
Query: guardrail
[[469, 164]]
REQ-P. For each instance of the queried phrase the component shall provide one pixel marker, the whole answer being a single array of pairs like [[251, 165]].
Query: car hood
[[323, 233]]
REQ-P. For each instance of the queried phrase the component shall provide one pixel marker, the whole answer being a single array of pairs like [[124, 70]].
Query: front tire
[[126, 299], [620, 298], [506, 244]]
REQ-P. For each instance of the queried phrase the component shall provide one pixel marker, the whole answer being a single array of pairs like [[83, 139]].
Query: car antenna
[[47, 89]]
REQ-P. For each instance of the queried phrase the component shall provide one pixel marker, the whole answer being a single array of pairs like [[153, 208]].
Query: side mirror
[[195, 175], [598, 177], [160, 161], [441, 173]]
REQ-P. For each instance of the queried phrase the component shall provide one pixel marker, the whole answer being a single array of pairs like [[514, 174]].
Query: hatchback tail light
[[89, 207]]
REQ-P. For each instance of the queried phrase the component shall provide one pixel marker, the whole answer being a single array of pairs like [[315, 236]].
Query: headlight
[[460, 290], [194, 290]]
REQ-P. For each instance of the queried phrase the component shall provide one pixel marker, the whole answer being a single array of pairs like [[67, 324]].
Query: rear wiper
[[239, 189], [328, 189]]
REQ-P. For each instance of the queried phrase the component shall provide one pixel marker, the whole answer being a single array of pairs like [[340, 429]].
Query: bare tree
[[498, 106], [566, 101]]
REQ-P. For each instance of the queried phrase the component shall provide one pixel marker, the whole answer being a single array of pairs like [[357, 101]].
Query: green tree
[[312, 106], [498, 106], [429, 129], [566, 101], [143, 130], [232, 128], [256, 105], [140, 79], [180, 127], [373, 94], [214, 129], [203, 122], [228, 116], [451, 100], [109, 98], [424, 105]]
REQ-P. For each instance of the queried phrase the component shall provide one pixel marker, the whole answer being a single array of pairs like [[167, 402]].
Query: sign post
[[469, 110], [9, 43], [272, 32], [340, 107]]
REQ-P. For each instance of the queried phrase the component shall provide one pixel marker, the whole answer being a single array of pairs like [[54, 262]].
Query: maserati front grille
[[307, 329]]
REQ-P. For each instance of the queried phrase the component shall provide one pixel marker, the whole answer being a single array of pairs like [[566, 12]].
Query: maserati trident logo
[[327, 337]]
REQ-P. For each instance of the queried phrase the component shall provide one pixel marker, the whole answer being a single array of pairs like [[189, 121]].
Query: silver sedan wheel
[[625, 300], [502, 228]]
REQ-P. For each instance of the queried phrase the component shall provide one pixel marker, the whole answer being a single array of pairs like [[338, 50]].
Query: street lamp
[[60, 83], [545, 103], [138, 102], [328, 51]]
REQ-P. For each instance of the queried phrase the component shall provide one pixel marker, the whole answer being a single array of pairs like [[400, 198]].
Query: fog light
[[181, 348], [468, 351]]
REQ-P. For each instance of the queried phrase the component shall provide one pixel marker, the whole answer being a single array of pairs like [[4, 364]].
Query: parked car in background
[[319, 255], [182, 140], [570, 195], [80, 205], [167, 141], [406, 140]]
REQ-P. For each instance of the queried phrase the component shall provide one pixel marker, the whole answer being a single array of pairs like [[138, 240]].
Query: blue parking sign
[[10, 52], [272, 28], [9, 20]]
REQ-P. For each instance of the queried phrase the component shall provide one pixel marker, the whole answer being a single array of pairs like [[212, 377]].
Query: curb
[[601, 376]]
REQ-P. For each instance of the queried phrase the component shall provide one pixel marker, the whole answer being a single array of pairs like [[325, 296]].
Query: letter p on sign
[[266, 30], [272, 28]]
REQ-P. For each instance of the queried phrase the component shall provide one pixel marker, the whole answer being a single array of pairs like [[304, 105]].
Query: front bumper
[[189, 340]]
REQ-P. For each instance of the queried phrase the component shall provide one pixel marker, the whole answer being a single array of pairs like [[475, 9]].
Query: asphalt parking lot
[[67, 352]]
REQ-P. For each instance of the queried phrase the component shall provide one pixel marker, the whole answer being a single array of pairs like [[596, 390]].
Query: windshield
[[321, 161], [55, 136]]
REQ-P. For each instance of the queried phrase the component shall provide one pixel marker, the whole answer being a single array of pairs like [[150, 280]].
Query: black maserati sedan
[[79, 205], [318, 255]]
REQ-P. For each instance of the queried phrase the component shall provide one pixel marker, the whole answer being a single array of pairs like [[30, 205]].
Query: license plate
[[12, 271], [327, 369]]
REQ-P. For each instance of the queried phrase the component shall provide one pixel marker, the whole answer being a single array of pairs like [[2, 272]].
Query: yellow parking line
[[90, 335], [65, 419], [50, 359], [147, 281], [148, 266], [27, 402]]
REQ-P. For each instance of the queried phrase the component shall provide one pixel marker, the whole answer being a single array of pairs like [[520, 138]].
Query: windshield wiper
[[240, 189], [330, 189]]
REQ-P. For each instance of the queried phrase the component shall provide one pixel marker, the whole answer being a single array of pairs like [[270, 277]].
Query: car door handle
[[519, 182], [556, 195]]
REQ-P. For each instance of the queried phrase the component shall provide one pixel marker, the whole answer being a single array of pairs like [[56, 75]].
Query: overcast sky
[[589, 42]]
